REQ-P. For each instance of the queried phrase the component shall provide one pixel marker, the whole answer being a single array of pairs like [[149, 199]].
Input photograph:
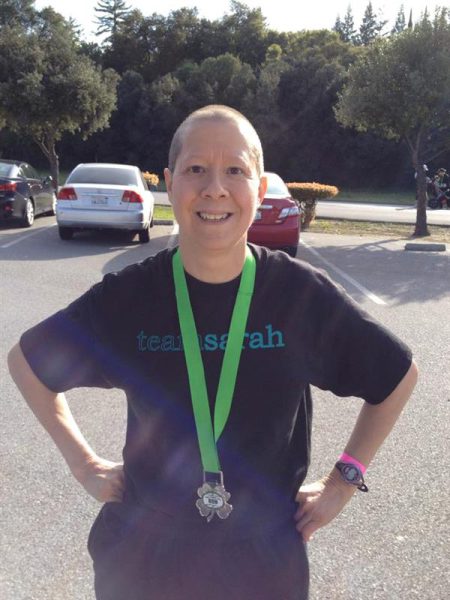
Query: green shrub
[[307, 195], [152, 179]]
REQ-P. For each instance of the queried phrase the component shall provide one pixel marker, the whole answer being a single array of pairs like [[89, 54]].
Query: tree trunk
[[54, 166], [421, 228], [47, 145], [309, 212]]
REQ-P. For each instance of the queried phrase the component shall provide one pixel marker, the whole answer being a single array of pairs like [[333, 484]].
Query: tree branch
[[40, 141]]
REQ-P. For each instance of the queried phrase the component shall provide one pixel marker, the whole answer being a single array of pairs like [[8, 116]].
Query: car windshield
[[275, 185], [103, 175], [5, 169]]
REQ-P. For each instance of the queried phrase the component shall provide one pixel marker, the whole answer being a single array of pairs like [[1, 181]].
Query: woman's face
[[215, 187]]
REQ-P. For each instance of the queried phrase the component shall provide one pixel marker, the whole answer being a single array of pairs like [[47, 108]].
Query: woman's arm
[[322, 501], [102, 479]]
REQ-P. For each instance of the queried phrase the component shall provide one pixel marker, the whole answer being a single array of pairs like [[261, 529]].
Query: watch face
[[350, 472]]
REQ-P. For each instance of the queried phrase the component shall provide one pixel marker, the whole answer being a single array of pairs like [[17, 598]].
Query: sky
[[282, 15]]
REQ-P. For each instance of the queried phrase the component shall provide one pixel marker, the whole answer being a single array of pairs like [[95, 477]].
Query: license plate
[[99, 200]]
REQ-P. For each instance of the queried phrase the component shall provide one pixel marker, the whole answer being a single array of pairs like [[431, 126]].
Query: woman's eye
[[195, 169], [235, 170]]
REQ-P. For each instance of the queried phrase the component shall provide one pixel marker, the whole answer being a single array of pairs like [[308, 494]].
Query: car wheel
[[28, 214], [52, 211], [144, 236], [65, 233]]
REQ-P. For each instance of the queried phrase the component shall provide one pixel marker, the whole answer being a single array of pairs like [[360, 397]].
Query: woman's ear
[[262, 189], [168, 180]]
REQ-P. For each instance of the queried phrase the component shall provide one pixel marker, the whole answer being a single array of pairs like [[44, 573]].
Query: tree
[[16, 12], [131, 135], [156, 45], [400, 89], [314, 69], [338, 25], [348, 31], [111, 14], [370, 27], [130, 44], [273, 53], [247, 33], [178, 33], [47, 87], [400, 22]]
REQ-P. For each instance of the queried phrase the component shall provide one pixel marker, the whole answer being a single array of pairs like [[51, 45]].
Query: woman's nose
[[215, 186]]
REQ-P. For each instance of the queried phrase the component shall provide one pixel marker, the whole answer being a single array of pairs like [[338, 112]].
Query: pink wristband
[[349, 459]]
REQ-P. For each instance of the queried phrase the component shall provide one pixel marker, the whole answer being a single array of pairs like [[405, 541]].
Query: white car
[[105, 196]]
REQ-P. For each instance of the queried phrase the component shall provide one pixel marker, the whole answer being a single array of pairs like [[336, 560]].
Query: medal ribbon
[[207, 436]]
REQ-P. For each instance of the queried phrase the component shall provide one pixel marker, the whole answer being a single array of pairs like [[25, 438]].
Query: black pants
[[149, 557]]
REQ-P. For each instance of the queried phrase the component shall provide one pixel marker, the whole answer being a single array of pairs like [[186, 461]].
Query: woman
[[216, 359]]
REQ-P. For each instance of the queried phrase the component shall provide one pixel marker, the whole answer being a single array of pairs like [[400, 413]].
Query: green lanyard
[[207, 437]]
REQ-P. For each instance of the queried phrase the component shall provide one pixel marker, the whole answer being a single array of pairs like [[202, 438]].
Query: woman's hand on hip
[[102, 479], [320, 502]]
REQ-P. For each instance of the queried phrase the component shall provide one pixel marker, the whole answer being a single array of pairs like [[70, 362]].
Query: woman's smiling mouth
[[213, 217]]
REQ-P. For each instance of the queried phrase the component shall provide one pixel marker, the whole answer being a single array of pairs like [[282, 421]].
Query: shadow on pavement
[[386, 269], [83, 244], [382, 266]]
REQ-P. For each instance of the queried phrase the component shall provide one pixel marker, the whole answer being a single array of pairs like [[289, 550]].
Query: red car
[[277, 221]]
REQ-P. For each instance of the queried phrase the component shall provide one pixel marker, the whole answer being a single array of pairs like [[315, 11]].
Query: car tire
[[28, 214], [144, 235], [65, 233]]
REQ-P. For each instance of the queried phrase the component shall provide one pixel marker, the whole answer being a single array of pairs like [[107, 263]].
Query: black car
[[23, 194]]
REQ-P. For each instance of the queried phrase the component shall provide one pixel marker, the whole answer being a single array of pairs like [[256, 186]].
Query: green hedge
[[307, 195]]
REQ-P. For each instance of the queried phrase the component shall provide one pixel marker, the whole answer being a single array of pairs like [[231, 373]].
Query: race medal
[[213, 499], [212, 495]]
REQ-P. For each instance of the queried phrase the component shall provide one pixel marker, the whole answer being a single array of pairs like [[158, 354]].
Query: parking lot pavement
[[389, 544], [395, 535]]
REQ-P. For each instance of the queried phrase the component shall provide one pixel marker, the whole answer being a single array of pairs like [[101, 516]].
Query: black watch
[[351, 474]]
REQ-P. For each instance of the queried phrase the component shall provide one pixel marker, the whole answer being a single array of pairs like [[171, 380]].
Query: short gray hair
[[218, 112]]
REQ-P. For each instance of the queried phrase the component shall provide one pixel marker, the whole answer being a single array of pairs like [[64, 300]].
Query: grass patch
[[399, 230], [163, 213], [376, 197]]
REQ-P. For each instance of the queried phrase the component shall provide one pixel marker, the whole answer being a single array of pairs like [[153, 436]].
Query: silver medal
[[213, 499]]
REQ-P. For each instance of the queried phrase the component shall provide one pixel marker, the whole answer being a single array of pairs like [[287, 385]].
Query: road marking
[[24, 237], [344, 275]]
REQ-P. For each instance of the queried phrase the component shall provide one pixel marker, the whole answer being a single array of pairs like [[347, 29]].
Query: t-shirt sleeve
[[351, 353], [68, 349]]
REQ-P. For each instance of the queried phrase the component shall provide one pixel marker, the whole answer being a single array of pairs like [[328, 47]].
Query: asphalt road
[[389, 544]]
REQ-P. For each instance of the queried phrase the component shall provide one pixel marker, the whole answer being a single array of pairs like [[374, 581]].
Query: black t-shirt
[[302, 330]]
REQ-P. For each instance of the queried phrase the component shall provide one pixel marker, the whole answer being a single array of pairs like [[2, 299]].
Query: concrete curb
[[426, 247]]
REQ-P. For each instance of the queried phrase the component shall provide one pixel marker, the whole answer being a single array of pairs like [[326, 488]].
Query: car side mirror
[[48, 179]]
